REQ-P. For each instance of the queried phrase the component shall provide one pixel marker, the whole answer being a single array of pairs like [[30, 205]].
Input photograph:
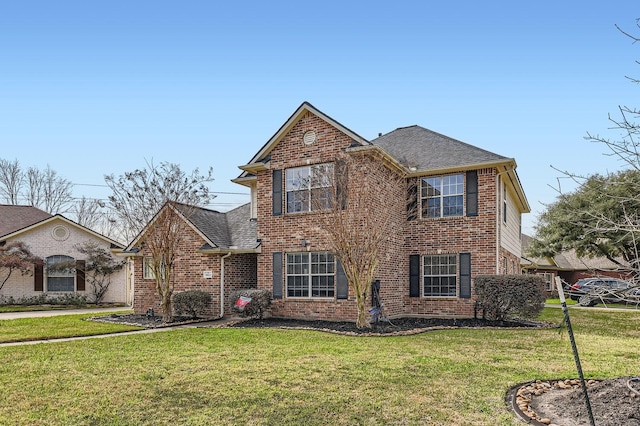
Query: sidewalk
[[36, 314], [56, 312]]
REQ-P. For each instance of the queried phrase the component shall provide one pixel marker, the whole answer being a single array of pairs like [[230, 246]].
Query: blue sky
[[95, 88]]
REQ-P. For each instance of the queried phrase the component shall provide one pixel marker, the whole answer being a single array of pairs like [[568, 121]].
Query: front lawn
[[275, 377], [56, 327]]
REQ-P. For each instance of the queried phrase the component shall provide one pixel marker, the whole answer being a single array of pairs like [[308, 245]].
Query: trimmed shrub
[[510, 296], [71, 299], [259, 303], [191, 303]]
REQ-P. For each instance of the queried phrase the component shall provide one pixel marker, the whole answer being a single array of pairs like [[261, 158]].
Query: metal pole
[[565, 310]]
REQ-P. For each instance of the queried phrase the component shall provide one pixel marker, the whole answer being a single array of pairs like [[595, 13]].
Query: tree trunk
[[166, 307], [363, 319]]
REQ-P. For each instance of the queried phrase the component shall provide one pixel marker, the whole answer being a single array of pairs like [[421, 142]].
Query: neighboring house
[[54, 239], [217, 254], [467, 220], [569, 267]]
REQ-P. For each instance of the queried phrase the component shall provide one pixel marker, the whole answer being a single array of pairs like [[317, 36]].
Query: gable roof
[[426, 150], [221, 232], [25, 218], [261, 156], [14, 218], [567, 260]]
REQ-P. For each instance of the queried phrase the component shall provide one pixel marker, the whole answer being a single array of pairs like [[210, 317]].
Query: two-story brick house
[[464, 220]]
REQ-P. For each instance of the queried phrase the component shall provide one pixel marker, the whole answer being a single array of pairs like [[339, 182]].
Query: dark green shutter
[[412, 198], [414, 275], [80, 264], [38, 278], [472, 193], [277, 275], [277, 192], [342, 285], [465, 275]]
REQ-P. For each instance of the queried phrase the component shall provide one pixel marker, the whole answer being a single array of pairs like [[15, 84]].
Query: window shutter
[[80, 264], [342, 285], [277, 192], [412, 198], [38, 278], [277, 275], [472, 193], [465, 275], [342, 181], [414, 275]]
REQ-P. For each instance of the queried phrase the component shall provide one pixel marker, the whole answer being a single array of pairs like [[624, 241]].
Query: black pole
[[565, 310]]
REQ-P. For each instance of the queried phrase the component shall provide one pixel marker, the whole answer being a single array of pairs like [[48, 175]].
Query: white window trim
[[311, 184], [423, 275], [441, 196], [310, 276]]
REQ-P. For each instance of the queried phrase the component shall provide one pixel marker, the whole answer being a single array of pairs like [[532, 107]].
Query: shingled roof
[[15, 218], [415, 146], [230, 230]]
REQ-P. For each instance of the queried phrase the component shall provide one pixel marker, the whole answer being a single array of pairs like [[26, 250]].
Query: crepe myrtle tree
[[356, 218], [602, 216], [153, 202], [15, 256]]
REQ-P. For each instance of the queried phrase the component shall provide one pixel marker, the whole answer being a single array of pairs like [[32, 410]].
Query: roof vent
[[309, 137]]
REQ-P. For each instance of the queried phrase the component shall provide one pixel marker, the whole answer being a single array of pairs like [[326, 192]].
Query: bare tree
[[11, 181], [16, 256], [359, 219], [153, 203], [88, 212], [99, 266], [47, 190]]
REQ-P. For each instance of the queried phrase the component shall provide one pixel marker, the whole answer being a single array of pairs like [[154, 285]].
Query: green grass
[[557, 302], [276, 377], [56, 327]]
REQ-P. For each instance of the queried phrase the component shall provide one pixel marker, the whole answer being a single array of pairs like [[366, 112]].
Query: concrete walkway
[[40, 314], [56, 312]]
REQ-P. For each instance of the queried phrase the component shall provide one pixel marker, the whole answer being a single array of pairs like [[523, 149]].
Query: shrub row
[[71, 299]]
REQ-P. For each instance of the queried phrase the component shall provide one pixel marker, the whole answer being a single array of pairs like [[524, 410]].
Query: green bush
[[191, 303], [259, 304], [510, 296]]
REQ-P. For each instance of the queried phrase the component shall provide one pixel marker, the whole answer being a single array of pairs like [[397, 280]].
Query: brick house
[[466, 219], [54, 238], [216, 254]]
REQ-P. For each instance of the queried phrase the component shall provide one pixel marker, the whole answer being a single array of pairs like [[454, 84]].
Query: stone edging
[[519, 397]]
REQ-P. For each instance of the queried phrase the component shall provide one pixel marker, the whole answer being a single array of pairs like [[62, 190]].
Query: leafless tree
[[153, 203], [360, 219], [11, 181], [48, 191], [88, 212]]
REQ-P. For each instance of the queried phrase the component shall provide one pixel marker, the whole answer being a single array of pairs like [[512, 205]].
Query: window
[[310, 274], [147, 269], [60, 273], [442, 196], [309, 188], [548, 278], [504, 203], [439, 275]]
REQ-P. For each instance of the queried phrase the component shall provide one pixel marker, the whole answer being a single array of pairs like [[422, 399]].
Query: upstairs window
[[309, 188], [60, 273], [442, 196]]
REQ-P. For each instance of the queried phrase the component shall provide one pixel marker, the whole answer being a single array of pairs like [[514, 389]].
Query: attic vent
[[309, 137], [60, 233]]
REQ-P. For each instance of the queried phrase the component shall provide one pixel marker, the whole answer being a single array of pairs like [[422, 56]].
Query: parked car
[[591, 291]]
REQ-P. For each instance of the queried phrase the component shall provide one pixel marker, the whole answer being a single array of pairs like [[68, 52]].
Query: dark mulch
[[145, 321], [392, 327]]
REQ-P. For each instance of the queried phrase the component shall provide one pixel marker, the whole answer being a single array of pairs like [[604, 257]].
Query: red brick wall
[[188, 275], [476, 235]]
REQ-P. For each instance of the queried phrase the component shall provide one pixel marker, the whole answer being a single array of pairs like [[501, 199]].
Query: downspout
[[222, 283]]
